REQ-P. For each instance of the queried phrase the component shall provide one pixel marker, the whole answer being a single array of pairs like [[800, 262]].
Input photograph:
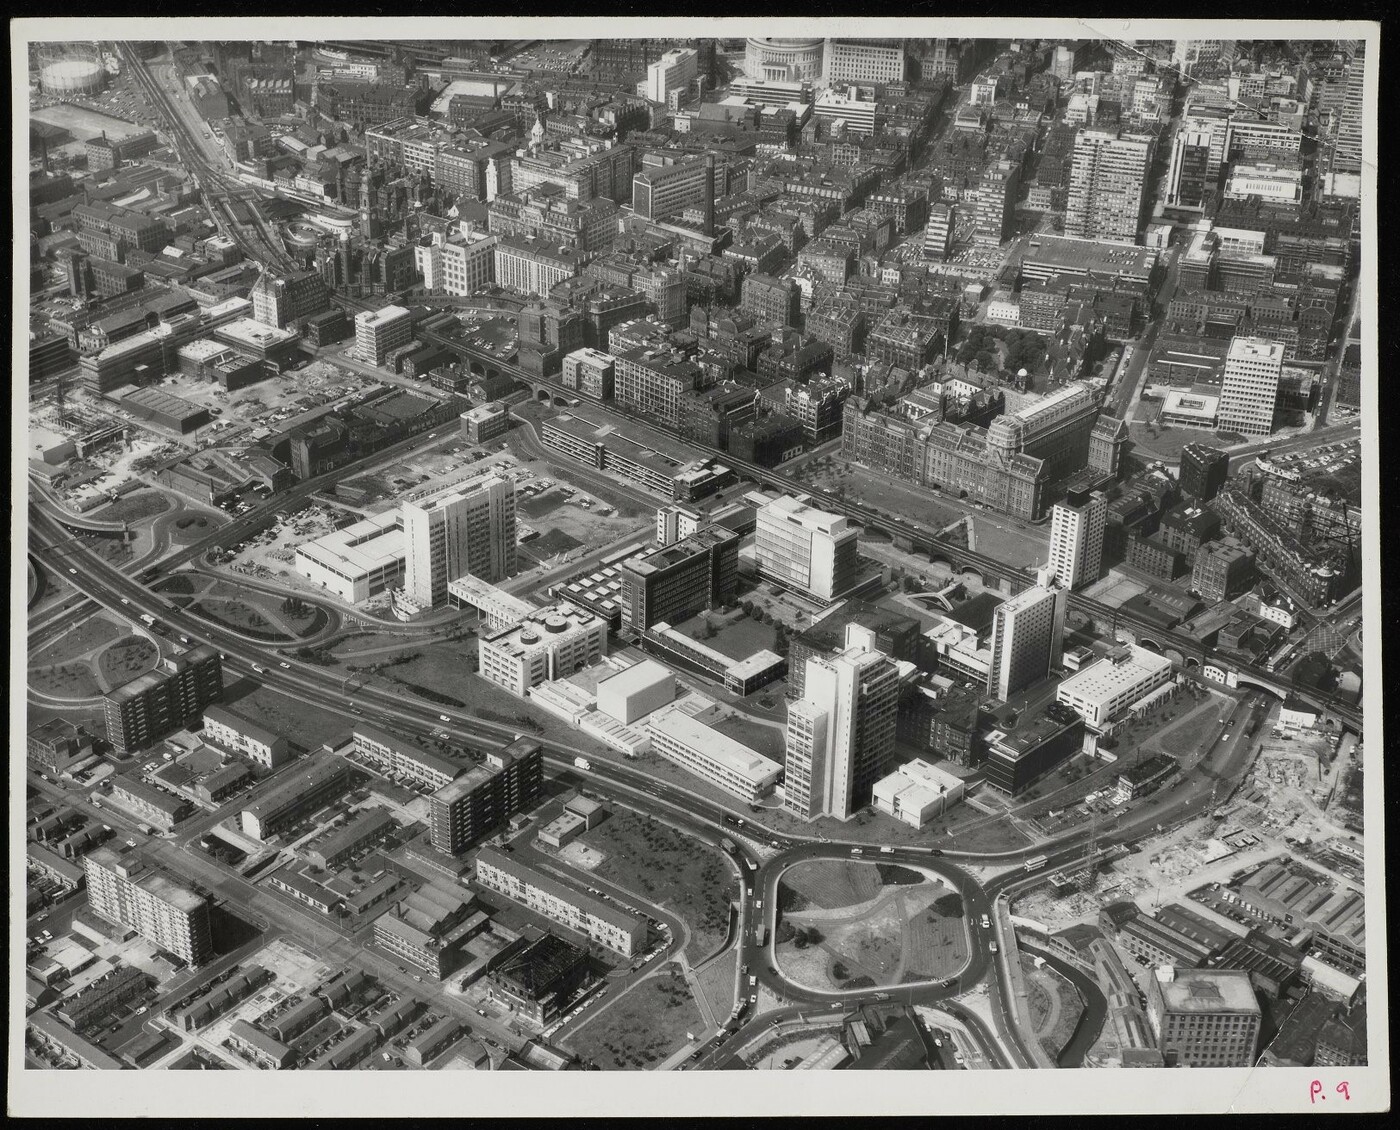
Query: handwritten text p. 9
[[1315, 1089]]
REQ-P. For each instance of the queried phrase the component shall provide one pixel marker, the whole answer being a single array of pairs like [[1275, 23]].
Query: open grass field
[[642, 1027], [81, 640], [113, 550], [126, 659], [904, 933], [717, 983], [831, 883], [65, 680], [669, 869], [935, 944]]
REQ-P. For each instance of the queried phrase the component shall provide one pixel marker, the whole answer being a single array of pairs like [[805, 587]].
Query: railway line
[[254, 235]]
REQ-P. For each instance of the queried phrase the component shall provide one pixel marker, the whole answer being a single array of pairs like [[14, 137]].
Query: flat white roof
[[363, 548], [733, 755], [647, 673]]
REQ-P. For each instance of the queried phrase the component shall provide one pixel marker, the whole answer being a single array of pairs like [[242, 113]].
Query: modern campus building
[[712, 755], [602, 922], [467, 527], [805, 549], [150, 706], [356, 562], [1013, 760], [1204, 1017], [125, 889], [1249, 391], [1101, 690], [552, 643], [1076, 537], [917, 792], [671, 583], [511, 781], [1027, 639], [840, 736]]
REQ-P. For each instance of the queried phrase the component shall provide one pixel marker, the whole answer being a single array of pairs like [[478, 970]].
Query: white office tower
[[864, 60], [1249, 390], [806, 549], [1076, 537], [840, 737], [1027, 637], [464, 528], [675, 70], [1346, 157], [1106, 185]]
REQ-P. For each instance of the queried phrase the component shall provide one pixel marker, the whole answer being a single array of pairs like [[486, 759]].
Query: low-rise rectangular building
[[1103, 689], [561, 902], [712, 755], [395, 755], [232, 731], [302, 793]]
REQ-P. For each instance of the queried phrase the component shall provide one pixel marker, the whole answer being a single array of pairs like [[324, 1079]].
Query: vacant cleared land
[[670, 870], [642, 1027], [135, 506], [1191, 736]]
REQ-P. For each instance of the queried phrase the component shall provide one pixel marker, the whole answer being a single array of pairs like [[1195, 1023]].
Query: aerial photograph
[[681, 554]]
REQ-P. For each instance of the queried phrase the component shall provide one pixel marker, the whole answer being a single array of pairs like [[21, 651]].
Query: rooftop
[[1209, 990]]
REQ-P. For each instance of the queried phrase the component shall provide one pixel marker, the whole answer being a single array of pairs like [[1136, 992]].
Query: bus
[[1036, 862]]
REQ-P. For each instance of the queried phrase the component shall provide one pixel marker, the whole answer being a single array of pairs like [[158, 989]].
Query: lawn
[[126, 659], [237, 615], [135, 506], [829, 883], [178, 585], [69, 680], [304, 725], [190, 528], [669, 869], [81, 640], [761, 739], [113, 550], [717, 983], [642, 1027]]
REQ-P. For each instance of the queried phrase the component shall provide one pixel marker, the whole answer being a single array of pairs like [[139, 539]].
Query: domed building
[[784, 60]]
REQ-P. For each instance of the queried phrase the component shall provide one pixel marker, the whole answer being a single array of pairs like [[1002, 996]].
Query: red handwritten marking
[[1344, 1089], [1315, 1090]]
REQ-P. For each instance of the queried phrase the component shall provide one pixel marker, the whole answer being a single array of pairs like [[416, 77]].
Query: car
[[285, 666], [141, 1011], [444, 718], [753, 999], [130, 843], [41, 917], [259, 670], [857, 851], [753, 979], [758, 904], [48, 937], [125, 601], [74, 572]]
